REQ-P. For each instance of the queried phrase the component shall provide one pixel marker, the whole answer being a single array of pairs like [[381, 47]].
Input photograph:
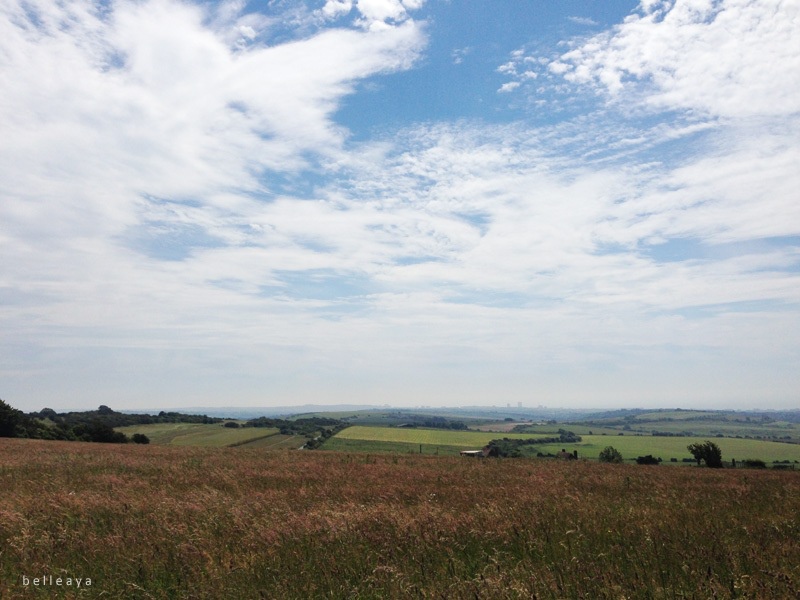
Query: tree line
[[99, 425], [86, 426]]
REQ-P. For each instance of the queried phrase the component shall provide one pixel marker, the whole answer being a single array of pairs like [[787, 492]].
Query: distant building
[[476, 453]]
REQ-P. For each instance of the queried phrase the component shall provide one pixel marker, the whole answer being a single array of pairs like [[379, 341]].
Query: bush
[[232, 424], [97, 431], [610, 455], [140, 438], [647, 460], [708, 452]]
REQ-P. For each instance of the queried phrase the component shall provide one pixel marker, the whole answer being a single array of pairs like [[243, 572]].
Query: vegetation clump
[[610, 455], [432, 422], [707, 452], [514, 448]]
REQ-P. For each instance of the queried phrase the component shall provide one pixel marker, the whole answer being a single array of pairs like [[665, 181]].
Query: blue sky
[[407, 202]]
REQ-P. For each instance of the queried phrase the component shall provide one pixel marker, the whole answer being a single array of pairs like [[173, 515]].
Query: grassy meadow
[[695, 423], [192, 522], [395, 439], [631, 446]]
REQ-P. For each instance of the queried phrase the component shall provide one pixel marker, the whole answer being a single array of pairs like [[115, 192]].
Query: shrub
[[647, 460], [97, 431], [140, 438], [610, 455], [708, 452]]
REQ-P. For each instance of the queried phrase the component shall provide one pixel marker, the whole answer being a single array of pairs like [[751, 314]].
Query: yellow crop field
[[440, 437]]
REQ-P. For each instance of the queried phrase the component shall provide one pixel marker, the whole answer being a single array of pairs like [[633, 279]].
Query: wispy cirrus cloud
[[112, 114]]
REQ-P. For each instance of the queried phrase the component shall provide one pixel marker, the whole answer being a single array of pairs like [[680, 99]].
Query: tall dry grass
[[161, 522]]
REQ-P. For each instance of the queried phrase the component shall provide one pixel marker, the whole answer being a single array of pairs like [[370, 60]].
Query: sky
[[406, 202]]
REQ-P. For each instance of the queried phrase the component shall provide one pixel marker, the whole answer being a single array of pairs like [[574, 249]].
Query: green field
[[774, 430], [695, 423], [198, 434], [631, 446]]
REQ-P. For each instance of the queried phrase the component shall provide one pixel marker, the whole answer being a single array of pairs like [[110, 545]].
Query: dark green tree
[[707, 452], [97, 431], [9, 419], [610, 455]]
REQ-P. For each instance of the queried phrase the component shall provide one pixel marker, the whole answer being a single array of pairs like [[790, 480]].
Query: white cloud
[[148, 95], [583, 21], [509, 68], [247, 32], [336, 8], [559, 68], [377, 14], [459, 54], [732, 58], [509, 86]]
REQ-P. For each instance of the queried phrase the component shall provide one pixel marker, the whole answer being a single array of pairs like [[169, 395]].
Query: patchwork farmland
[[398, 439]]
